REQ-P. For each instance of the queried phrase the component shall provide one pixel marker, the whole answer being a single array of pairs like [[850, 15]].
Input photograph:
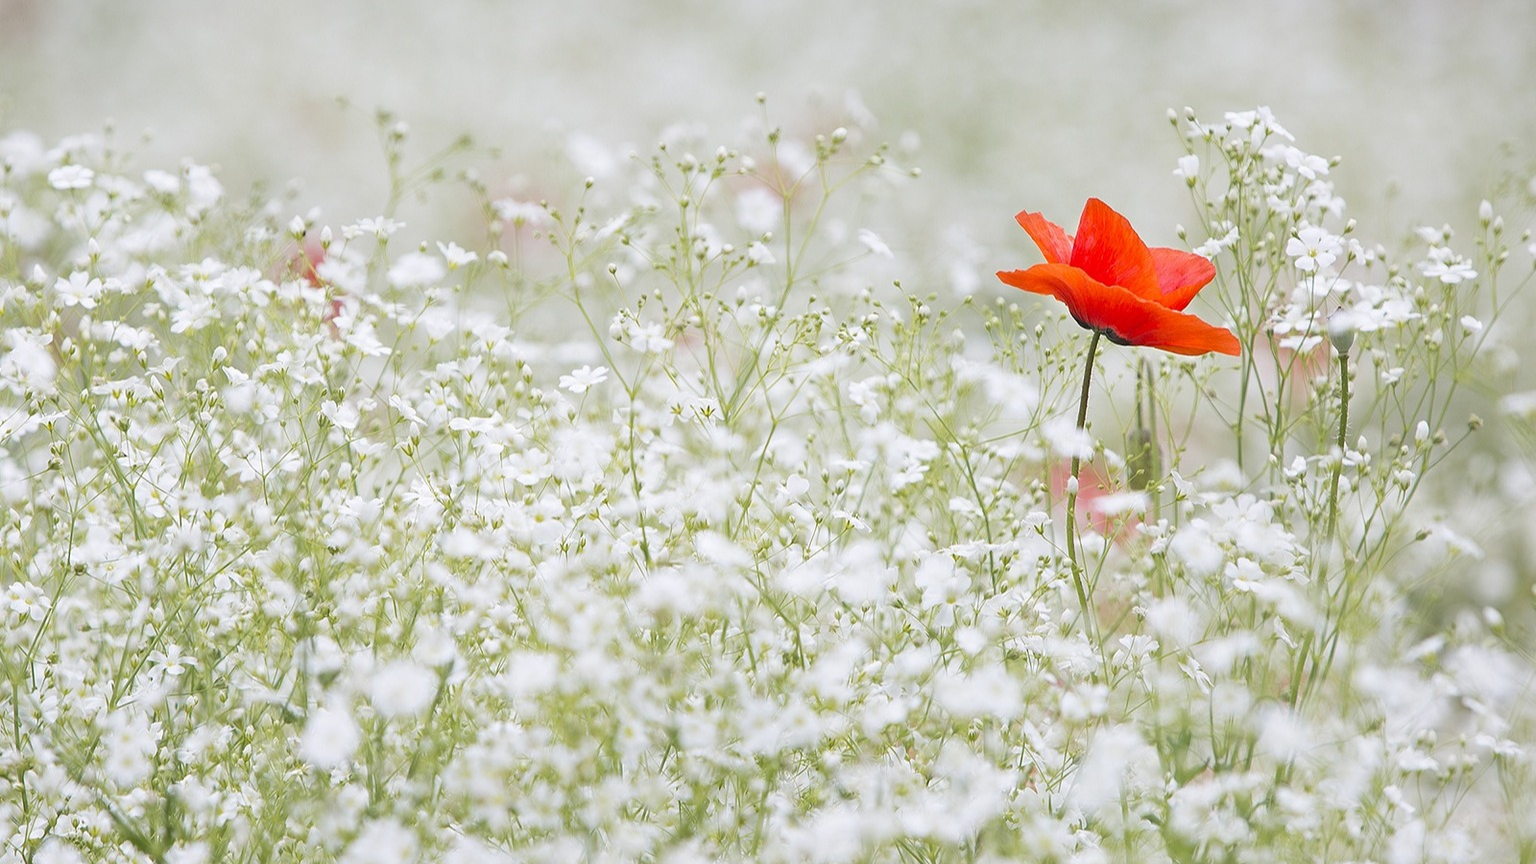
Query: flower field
[[665, 519]]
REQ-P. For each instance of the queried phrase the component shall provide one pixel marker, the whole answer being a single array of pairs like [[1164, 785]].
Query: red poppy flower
[[1114, 284]]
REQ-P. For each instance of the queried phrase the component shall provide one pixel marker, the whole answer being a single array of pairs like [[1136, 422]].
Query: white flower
[[1066, 439], [580, 380], [416, 270], [456, 255], [78, 290], [1197, 549], [203, 189], [591, 156], [170, 661], [71, 177], [330, 738], [380, 227], [402, 689], [519, 212], [1304, 164], [759, 254], [343, 416], [874, 244], [56, 851], [1215, 245], [1189, 168], [1260, 122], [26, 601], [382, 841], [127, 743], [25, 358], [648, 338], [163, 182], [189, 853], [1445, 265], [793, 487], [759, 210], [1313, 249]]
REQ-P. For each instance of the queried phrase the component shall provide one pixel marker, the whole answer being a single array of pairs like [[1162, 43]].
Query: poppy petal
[[1121, 315], [1036, 279], [1110, 251], [1177, 332], [1053, 241], [1180, 275]]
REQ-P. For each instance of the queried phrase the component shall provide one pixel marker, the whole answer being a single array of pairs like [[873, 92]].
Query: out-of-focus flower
[[580, 380], [416, 270], [330, 738], [456, 255], [402, 689], [1445, 265], [71, 177], [1113, 283]]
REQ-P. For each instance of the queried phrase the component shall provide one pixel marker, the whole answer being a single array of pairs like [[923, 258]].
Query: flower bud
[[1140, 458], [1341, 331]]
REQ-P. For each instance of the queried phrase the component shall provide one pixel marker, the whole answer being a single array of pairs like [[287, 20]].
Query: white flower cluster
[[1299, 281], [310, 557]]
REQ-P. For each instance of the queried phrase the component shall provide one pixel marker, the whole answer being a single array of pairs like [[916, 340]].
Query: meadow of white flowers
[[670, 520]]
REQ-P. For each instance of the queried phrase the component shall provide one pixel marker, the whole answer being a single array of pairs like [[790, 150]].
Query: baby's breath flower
[[416, 270], [456, 255], [583, 379], [1445, 265], [402, 689], [327, 574], [69, 177], [26, 601], [874, 244], [1189, 168], [1313, 249], [330, 738], [381, 842], [380, 227]]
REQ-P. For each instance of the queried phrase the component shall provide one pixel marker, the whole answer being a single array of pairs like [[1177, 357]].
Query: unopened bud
[[1341, 331], [1140, 458]]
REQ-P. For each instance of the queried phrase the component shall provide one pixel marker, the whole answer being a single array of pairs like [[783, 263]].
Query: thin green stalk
[[1338, 467], [1077, 464]]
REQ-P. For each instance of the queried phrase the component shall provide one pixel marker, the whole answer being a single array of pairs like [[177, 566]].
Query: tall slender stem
[[1077, 464], [1338, 467]]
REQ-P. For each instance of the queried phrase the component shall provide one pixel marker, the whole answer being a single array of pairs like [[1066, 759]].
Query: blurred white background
[[1018, 103]]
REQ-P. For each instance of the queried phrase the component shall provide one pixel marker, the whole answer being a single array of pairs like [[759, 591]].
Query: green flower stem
[[1338, 467], [1077, 464]]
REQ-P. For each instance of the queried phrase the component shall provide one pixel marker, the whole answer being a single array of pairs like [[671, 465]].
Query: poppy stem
[[1077, 464]]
